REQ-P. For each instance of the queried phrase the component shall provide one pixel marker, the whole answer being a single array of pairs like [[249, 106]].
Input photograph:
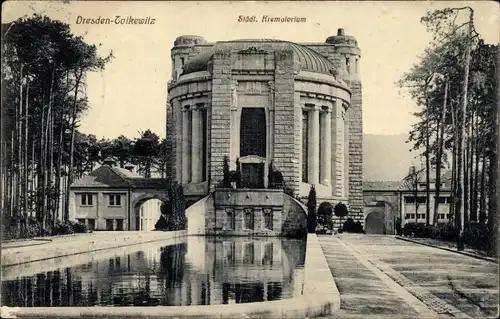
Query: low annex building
[[114, 198], [263, 101], [387, 201]]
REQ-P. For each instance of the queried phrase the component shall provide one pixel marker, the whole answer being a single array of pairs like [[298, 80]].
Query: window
[[230, 220], [115, 200], [91, 223], [182, 61], [230, 252], [248, 253], [109, 224], [410, 200], [86, 200], [81, 221], [267, 259], [268, 218], [420, 216], [410, 216], [442, 200], [442, 216], [249, 222], [119, 224], [421, 200]]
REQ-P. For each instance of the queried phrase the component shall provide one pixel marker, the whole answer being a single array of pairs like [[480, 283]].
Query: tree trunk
[[454, 196], [475, 196], [427, 173], [51, 165], [72, 145], [26, 152], [466, 168], [440, 138], [463, 140], [492, 241], [482, 198]]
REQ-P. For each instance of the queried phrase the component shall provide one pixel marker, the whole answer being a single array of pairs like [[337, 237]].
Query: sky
[[130, 95]]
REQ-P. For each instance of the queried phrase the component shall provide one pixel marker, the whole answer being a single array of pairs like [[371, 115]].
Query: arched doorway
[[147, 213], [375, 223]]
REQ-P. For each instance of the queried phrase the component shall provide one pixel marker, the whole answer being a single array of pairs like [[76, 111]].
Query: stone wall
[[294, 217], [286, 142], [220, 113], [356, 153]]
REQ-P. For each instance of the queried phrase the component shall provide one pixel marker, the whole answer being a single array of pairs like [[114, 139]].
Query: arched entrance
[[147, 211], [375, 223]]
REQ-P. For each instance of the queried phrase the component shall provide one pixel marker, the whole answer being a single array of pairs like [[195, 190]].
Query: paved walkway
[[382, 277]]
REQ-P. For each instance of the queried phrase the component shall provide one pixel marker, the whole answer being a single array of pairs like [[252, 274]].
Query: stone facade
[[113, 198], [310, 95]]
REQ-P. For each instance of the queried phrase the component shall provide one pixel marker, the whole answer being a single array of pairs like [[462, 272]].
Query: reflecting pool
[[194, 271]]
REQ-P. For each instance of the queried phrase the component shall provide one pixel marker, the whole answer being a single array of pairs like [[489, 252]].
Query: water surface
[[196, 271]]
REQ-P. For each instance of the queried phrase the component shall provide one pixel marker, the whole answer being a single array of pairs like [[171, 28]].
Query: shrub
[[79, 227], [63, 228], [340, 210], [226, 180], [237, 177], [325, 212], [311, 210], [353, 227], [399, 229], [173, 212]]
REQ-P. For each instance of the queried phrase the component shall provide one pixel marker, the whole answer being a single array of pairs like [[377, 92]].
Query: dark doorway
[[375, 223], [253, 132], [252, 175]]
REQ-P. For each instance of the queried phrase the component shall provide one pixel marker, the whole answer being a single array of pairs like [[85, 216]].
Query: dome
[[309, 59], [189, 40]]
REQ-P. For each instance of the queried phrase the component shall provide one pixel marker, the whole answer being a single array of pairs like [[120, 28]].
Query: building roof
[[104, 176], [309, 59], [382, 185], [116, 177]]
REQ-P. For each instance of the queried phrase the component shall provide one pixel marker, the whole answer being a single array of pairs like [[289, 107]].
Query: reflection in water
[[203, 271]]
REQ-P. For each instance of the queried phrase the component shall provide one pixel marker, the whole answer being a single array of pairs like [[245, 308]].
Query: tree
[[238, 173], [340, 210], [42, 79], [146, 149], [411, 183], [226, 179], [311, 210], [325, 212]]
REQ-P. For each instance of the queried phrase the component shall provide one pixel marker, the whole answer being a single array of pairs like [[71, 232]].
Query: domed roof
[[309, 59]]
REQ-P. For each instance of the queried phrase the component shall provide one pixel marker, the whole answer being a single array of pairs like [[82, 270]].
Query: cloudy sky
[[130, 95]]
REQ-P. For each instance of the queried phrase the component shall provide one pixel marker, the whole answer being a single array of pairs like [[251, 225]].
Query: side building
[[386, 202], [114, 198]]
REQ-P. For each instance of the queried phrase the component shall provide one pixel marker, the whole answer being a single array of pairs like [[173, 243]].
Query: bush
[[311, 210], [63, 228], [79, 227], [173, 212], [353, 227], [399, 229], [226, 181], [325, 212]]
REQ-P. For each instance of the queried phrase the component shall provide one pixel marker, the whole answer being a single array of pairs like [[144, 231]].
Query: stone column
[[196, 152], [235, 127], [326, 147], [186, 160], [313, 152]]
